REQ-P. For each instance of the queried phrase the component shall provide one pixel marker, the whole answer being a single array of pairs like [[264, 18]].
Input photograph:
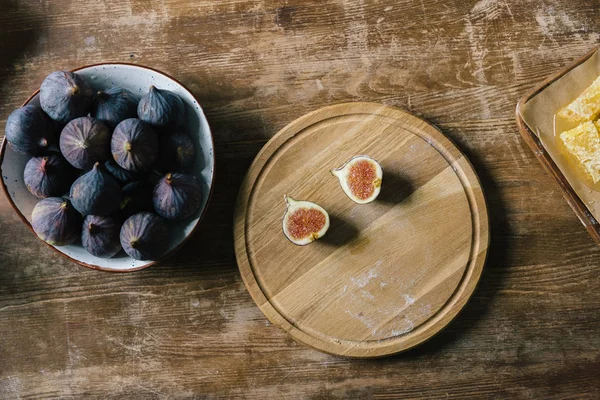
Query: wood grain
[[187, 328], [388, 275]]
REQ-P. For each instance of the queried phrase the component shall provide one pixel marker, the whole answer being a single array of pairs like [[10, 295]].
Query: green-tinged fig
[[161, 107], [177, 196], [55, 221], [96, 193], [100, 235], [114, 105], [137, 197], [134, 145], [145, 236], [29, 130], [65, 95], [122, 175], [85, 141], [304, 221], [360, 178], [48, 176], [177, 152]]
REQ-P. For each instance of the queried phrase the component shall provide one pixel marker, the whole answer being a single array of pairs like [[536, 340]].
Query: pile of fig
[[112, 170]]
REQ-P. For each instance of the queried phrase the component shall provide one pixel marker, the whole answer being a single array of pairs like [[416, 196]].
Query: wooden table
[[187, 328]]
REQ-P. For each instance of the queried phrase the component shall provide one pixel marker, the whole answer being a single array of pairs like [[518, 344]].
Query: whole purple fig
[[177, 152], [137, 197], [144, 236], [134, 145], [96, 193], [48, 176], [85, 141], [55, 221], [161, 107], [122, 175], [29, 130], [177, 196], [114, 105], [65, 95], [100, 235]]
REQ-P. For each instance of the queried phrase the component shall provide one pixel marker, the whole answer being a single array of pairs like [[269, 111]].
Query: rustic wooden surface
[[188, 328], [388, 275]]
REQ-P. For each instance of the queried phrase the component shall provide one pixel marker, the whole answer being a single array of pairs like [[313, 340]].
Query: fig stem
[[74, 90], [91, 227], [289, 199], [169, 177], [180, 154], [133, 243], [128, 146], [124, 202]]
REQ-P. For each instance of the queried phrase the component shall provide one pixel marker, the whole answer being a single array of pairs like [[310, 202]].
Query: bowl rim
[[185, 239]]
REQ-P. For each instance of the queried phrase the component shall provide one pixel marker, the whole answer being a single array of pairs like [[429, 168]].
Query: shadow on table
[[210, 250], [493, 274], [18, 33]]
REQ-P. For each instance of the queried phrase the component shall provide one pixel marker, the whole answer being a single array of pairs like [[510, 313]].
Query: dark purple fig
[[85, 141], [177, 196], [29, 130], [161, 107], [96, 193], [134, 145], [177, 152], [144, 236], [100, 235], [55, 221], [153, 177], [122, 175], [114, 105], [137, 197], [65, 95], [48, 176]]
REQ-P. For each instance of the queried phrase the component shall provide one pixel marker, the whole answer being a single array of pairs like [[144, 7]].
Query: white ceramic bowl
[[137, 79]]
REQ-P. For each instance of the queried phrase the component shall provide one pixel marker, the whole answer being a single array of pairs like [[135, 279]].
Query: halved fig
[[304, 221], [360, 178]]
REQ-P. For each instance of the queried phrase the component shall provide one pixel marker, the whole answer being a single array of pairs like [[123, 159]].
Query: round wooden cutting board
[[387, 275]]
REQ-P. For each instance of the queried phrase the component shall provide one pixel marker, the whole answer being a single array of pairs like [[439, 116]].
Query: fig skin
[[48, 176], [122, 175], [177, 152], [177, 196], [29, 130], [134, 145], [144, 236], [137, 197], [85, 141], [65, 96], [56, 221], [161, 108], [100, 235], [114, 105], [96, 193]]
